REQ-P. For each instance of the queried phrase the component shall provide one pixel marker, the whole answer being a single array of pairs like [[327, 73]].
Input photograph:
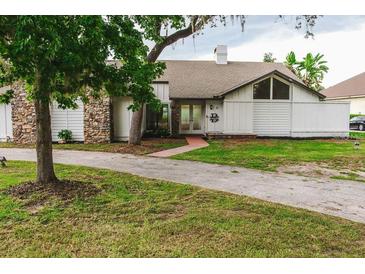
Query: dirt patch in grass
[[351, 163], [35, 195], [309, 170], [322, 172], [136, 149], [232, 143]]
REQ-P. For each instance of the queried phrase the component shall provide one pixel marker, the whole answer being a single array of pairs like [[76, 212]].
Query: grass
[[139, 217], [352, 176], [269, 154], [148, 146], [357, 134]]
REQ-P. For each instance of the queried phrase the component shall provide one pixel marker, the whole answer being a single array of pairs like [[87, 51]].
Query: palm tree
[[291, 62], [311, 69]]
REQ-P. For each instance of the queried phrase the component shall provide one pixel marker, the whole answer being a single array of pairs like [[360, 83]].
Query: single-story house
[[351, 90], [219, 98]]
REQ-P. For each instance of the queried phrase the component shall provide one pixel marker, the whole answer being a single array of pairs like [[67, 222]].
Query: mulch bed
[[148, 146], [66, 191], [136, 149]]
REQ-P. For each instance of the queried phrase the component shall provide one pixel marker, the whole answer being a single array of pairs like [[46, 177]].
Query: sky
[[340, 38]]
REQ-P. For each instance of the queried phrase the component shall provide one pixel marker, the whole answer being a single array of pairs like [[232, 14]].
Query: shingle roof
[[206, 79], [354, 86]]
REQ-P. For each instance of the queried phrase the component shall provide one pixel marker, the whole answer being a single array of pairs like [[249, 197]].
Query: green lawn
[[269, 154], [357, 134], [138, 217], [148, 146]]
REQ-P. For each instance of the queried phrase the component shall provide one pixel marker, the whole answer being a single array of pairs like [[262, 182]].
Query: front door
[[192, 119]]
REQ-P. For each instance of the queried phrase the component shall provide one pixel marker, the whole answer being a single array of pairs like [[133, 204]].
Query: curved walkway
[[345, 199], [194, 142]]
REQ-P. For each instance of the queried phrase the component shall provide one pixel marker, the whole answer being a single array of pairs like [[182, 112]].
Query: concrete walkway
[[194, 142], [335, 197]]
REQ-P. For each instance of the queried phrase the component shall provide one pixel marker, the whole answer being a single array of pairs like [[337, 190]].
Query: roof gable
[[281, 75]]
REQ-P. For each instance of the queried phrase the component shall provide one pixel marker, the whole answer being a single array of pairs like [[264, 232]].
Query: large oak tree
[[63, 58]]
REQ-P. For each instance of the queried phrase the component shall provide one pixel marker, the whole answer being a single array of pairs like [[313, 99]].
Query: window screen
[[261, 90], [280, 90]]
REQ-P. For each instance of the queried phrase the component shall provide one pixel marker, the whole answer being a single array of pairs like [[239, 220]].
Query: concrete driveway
[[345, 199]]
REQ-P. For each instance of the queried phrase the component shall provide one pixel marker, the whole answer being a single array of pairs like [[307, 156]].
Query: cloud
[[344, 50], [340, 38]]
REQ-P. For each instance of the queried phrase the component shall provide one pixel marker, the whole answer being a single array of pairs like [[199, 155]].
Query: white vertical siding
[[271, 118], [71, 119], [321, 119], [122, 117], [304, 115], [302, 95], [214, 106], [241, 94], [237, 111], [161, 91], [237, 117], [357, 105], [6, 127]]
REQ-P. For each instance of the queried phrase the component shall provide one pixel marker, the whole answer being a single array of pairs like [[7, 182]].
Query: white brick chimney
[[220, 53]]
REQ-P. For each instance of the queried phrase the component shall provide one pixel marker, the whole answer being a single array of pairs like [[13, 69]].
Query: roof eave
[[346, 96], [194, 98]]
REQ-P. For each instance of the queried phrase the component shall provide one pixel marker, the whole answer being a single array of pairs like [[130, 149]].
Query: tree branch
[[196, 24]]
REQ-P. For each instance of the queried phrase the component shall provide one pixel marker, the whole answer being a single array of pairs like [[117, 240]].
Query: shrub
[[355, 115], [157, 133], [65, 135]]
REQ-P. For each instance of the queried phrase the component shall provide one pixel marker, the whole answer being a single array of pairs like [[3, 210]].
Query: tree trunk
[[45, 169], [135, 132]]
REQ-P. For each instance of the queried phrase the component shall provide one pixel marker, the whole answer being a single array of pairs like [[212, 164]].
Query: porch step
[[230, 136]]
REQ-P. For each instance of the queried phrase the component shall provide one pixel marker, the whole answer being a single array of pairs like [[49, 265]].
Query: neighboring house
[[218, 98], [352, 90]]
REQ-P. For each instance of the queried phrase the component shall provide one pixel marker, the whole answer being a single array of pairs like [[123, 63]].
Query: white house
[[351, 90], [222, 98], [217, 98]]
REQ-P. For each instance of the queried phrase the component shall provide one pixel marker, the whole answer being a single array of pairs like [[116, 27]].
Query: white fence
[[287, 119], [320, 119], [272, 118]]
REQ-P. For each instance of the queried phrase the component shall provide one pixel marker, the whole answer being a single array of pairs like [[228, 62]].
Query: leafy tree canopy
[[269, 58], [62, 58]]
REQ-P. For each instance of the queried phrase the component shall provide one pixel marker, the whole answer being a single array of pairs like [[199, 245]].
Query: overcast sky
[[340, 38]]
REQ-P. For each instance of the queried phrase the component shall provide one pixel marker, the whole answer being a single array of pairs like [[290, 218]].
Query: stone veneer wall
[[23, 116], [98, 121], [175, 117]]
